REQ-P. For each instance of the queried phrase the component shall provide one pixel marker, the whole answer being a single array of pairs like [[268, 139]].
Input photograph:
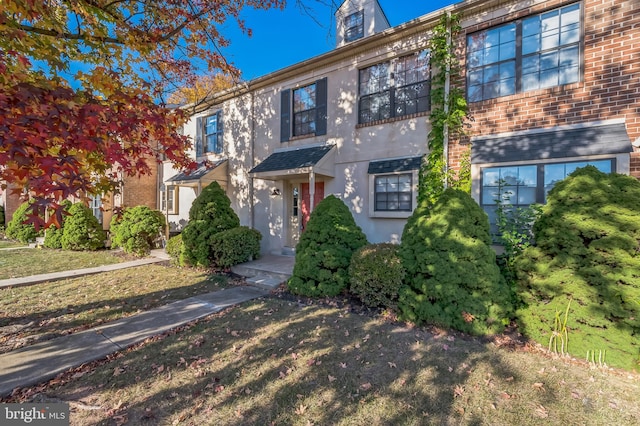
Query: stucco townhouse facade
[[551, 86]]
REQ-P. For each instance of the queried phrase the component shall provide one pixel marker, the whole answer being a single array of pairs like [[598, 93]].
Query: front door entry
[[305, 205]]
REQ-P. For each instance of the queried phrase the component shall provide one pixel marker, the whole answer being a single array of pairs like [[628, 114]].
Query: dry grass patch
[[48, 310], [23, 263], [273, 361]]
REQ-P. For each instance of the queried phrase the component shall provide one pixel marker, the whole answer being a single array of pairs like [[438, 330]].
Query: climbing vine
[[448, 113]]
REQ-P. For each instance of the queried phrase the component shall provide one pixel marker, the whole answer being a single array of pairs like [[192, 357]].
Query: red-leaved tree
[[80, 82]]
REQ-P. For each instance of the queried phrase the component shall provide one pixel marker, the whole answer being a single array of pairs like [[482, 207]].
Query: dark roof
[[397, 165], [292, 159], [197, 174], [559, 143]]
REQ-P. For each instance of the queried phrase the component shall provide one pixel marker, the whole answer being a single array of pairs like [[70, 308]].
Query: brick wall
[[610, 87], [143, 190]]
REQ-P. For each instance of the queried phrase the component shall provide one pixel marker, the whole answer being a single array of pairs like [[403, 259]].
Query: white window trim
[[393, 214], [174, 206]]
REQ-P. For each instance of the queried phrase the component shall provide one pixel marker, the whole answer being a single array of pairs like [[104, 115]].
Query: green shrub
[[210, 213], [451, 274], [137, 229], [235, 246], [324, 252], [376, 274], [17, 229], [81, 230], [587, 252], [175, 250], [53, 235]]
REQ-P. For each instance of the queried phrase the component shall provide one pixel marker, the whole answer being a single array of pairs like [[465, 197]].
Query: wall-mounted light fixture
[[275, 192]]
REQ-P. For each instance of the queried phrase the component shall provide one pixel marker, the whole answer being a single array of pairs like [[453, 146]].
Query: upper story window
[[533, 53], [213, 133], [354, 26], [385, 94], [304, 110], [308, 106]]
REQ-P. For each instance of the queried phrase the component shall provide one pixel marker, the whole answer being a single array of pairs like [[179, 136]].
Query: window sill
[[298, 137], [555, 90], [390, 215], [393, 119]]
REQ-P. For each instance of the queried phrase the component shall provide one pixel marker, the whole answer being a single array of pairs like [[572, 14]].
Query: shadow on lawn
[[48, 324], [279, 362]]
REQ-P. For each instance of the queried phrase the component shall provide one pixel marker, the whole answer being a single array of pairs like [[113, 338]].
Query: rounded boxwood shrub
[[376, 274], [236, 245], [452, 278], [324, 252], [587, 258], [136, 230], [81, 230], [175, 250], [53, 234], [18, 229], [210, 213]]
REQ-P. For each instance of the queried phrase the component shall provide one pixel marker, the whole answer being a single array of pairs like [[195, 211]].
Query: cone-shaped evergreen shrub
[[588, 252], [325, 249], [81, 230], [137, 229], [451, 274], [53, 235], [210, 213], [17, 229]]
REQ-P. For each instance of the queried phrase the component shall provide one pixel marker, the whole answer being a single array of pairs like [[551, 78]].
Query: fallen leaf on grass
[[331, 378], [343, 365], [365, 386], [541, 412], [301, 409], [392, 365], [538, 385], [458, 391], [311, 362], [118, 371]]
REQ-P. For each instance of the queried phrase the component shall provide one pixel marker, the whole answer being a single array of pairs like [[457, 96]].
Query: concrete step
[[271, 266], [264, 281]]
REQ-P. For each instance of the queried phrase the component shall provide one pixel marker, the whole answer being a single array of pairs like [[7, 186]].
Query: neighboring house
[[551, 85]]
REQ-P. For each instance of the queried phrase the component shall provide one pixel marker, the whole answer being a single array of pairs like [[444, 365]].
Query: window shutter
[[220, 144], [199, 137], [285, 115], [321, 107]]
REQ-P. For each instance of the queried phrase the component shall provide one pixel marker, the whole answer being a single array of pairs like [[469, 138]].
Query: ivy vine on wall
[[448, 114]]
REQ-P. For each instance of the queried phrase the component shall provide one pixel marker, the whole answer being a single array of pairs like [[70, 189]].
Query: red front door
[[305, 205]]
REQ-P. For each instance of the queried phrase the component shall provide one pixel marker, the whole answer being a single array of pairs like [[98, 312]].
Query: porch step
[[264, 281], [270, 269]]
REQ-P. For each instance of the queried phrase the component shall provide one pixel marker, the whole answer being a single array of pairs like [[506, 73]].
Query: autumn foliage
[[82, 84]]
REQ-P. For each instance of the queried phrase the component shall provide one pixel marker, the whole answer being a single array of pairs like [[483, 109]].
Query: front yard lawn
[[23, 263], [48, 310], [9, 243], [273, 361]]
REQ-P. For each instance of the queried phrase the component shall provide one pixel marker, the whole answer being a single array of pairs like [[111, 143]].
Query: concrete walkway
[[42, 361]]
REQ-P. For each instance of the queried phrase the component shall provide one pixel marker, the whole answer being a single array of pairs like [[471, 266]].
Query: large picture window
[[304, 110], [393, 192], [533, 53], [385, 94], [523, 185]]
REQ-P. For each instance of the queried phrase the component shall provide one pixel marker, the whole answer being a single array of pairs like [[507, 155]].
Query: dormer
[[356, 19]]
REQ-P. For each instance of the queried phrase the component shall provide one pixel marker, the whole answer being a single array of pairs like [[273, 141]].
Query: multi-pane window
[[304, 110], [393, 192], [169, 200], [536, 52], [384, 94], [213, 133], [521, 186], [95, 203], [354, 26]]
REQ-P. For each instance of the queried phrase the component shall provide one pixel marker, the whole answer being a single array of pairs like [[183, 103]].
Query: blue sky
[[283, 38]]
